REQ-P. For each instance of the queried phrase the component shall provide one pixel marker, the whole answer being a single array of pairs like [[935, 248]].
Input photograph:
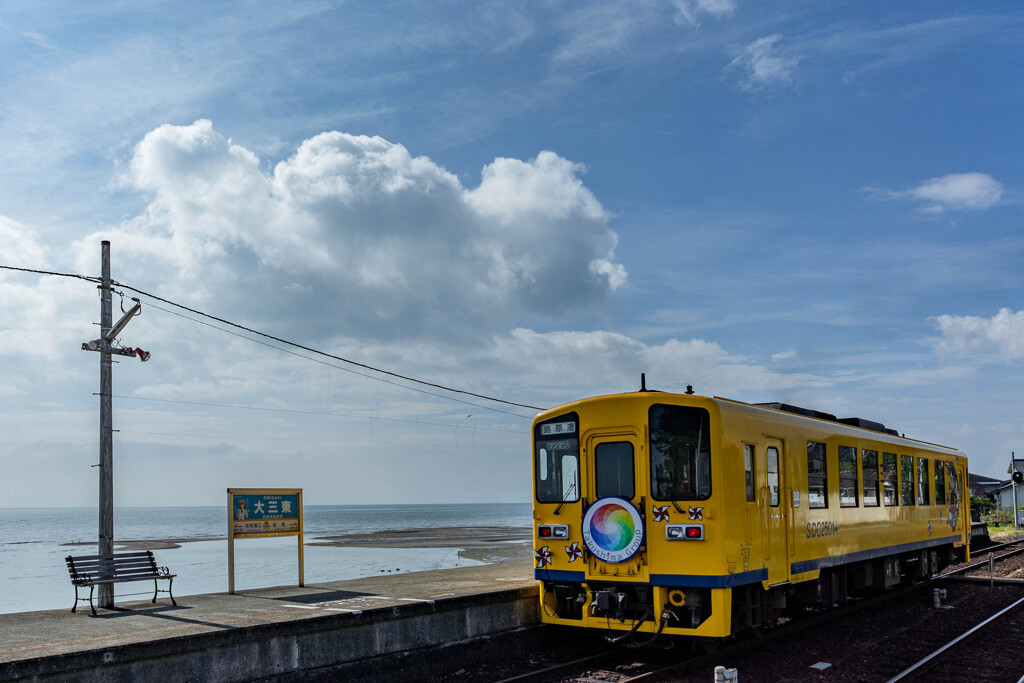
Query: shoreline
[[481, 543]]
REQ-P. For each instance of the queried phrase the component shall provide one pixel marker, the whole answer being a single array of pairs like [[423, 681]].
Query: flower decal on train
[[954, 504], [696, 513], [660, 513], [574, 551], [613, 529], [543, 557]]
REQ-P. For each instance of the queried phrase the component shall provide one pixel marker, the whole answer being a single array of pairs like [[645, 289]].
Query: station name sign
[[254, 513], [265, 512]]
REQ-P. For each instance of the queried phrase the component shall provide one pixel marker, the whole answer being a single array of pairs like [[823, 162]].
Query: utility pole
[[104, 345], [106, 531], [1016, 477]]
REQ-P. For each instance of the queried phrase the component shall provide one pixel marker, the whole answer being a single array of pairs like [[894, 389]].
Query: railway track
[[871, 640], [958, 659]]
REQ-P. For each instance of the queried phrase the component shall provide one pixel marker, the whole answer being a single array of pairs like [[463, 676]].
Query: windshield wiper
[[568, 493]]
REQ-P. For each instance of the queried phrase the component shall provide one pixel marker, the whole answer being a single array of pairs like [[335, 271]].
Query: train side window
[[869, 469], [922, 481], [772, 470], [748, 466], [890, 479], [940, 483], [847, 477], [907, 480], [817, 475], [680, 448], [613, 469]]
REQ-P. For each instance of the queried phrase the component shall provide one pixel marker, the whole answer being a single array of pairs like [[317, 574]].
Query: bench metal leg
[[91, 589], [156, 589], [75, 606]]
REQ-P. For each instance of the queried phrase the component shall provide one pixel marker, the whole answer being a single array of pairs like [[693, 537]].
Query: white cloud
[[956, 191], [788, 354], [19, 245], [688, 11], [766, 65], [959, 191], [391, 244], [1002, 334]]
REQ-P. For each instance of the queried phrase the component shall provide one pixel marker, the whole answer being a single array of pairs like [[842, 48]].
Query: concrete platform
[[271, 631]]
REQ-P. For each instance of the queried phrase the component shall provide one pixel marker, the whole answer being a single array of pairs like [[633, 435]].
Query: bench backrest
[[116, 567]]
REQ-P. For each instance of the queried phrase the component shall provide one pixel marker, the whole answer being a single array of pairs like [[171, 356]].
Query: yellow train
[[689, 515]]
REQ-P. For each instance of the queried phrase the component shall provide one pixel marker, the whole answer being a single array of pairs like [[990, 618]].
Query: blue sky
[[534, 201]]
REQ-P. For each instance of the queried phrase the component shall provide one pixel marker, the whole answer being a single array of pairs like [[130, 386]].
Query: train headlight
[[684, 532], [560, 531]]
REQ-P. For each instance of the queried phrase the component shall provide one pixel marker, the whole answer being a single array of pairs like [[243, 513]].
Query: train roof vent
[[786, 407], [868, 424]]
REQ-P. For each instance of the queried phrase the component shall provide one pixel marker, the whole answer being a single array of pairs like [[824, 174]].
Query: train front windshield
[[557, 463]]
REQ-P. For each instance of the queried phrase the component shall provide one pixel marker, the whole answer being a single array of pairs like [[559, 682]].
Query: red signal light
[[544, 532], [694, 532]]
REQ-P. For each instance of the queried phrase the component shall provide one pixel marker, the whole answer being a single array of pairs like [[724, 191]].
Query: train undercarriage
[[681, 610]]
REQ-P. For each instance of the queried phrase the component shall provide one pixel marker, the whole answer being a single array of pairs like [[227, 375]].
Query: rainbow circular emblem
[[613, 530]]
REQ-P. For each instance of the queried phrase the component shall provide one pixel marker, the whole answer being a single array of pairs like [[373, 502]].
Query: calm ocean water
[[33, 575]]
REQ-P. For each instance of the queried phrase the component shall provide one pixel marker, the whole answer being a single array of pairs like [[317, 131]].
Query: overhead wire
[[325, 354], [337, 367], [280, 340], [327, 413]]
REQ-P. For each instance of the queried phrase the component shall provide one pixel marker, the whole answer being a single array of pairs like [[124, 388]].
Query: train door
[[777, 511], [613, 523]]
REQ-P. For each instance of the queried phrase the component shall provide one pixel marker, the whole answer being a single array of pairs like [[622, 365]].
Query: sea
[[35, 541]]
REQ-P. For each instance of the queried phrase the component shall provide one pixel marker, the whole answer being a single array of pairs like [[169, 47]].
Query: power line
[[296, 345], [232, 437], [87, 278], [327, 413], [338, 367], [324, 353]]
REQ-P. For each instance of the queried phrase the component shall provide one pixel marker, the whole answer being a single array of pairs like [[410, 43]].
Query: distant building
[[987, 487]]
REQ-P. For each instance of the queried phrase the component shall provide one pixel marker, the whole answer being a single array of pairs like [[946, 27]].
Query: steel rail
[[983, 563], [906, 672]]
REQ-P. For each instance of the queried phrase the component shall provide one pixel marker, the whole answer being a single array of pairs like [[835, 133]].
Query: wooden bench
[[91, 570]]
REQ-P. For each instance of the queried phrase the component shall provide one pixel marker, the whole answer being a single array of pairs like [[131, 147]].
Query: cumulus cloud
[[41, 319], [588, 363], [19, 245], [689, 11], [765, 63], [378, 242], [1002, 334], [958, 191]]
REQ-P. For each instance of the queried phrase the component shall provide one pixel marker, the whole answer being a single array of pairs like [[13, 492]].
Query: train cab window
[[922, 481], [772, 472], [940, 483], [907, 480], [847, 477], [890, 479], [748, 467], [557, 461], [869, 471], [680, 450], [613, 470], [817, 475]]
